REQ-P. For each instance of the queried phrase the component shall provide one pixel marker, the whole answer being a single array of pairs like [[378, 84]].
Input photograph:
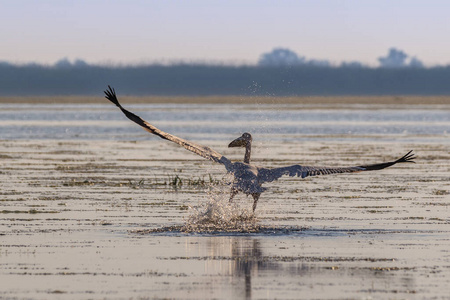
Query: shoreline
[[306, 100]]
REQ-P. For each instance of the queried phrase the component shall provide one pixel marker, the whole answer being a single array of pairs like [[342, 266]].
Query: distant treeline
[[192, 80]]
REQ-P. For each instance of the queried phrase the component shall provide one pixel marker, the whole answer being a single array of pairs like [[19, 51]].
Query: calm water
[[215, 122]]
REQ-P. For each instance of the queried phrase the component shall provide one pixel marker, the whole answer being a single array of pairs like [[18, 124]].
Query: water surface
[[90, 206], [217, 122]]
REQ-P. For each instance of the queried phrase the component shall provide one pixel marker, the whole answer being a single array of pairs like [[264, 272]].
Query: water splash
[[219, 215]]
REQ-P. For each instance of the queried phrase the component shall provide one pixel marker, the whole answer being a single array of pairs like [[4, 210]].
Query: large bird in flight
[[248, 178]]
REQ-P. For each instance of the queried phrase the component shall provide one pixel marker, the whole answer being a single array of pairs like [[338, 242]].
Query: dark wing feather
[[203, 151], [268, 175]]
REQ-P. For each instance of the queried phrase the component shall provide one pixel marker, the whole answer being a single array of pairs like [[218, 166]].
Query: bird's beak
[[239, 142]]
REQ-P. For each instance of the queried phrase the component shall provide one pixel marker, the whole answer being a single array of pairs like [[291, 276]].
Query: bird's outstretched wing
[[268, 175], [203, 151]]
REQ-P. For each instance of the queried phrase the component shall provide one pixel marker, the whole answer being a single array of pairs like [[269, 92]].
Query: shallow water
[[219, 122], [106, 217]]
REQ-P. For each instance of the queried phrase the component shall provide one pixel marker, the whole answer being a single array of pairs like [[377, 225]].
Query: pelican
[[248, 178]]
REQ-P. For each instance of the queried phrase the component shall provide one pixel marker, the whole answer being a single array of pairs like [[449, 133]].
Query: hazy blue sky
[[135, 31]]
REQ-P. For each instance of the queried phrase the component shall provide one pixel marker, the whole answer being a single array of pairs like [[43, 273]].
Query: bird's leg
[[255, 200], [233, 193]]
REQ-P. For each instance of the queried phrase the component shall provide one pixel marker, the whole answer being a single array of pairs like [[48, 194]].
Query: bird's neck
[[248, 149]]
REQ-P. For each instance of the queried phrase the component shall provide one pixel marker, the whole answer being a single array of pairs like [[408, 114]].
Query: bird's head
[[242, 141]]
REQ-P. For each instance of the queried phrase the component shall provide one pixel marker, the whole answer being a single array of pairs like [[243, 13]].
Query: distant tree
[[79, 63], [395, 59], [319, 63], [281, 57], [197, 79], [416, 63], [352, 64], [63, 63]]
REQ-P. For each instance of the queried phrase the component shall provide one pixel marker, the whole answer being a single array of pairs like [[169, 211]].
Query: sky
[[231, 31]]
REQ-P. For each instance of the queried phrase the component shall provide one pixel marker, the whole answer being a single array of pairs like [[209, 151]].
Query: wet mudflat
[[106, 219]]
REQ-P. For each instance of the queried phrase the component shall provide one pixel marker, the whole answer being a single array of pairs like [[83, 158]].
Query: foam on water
[[219, 215], [216, 215]]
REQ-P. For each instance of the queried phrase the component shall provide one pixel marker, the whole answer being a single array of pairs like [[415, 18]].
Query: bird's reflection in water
[[243, 257], [247, 259]]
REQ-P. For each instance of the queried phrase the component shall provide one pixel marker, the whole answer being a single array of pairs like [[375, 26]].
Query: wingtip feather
[[110, 94], [408, 157]]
